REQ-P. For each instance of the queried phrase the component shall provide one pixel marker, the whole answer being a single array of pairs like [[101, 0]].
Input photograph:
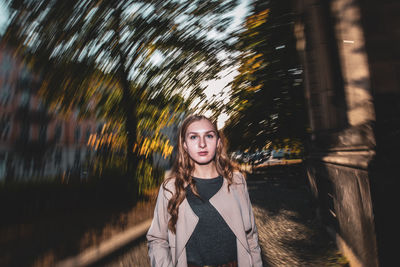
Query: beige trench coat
[[168, 249]]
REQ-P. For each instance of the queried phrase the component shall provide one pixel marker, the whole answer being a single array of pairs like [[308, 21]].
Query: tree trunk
[[129, 107], [128, 102]]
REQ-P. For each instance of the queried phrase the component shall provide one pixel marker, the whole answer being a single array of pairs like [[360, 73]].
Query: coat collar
[[224, 203]]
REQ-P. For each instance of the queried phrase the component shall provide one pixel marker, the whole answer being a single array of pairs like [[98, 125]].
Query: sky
[[216, 88], [3, 16]]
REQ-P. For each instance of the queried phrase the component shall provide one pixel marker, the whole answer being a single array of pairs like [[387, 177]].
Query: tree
[[117, 55], [267, 97]]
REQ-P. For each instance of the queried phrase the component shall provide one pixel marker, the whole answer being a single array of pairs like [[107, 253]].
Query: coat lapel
[[226, 204], [184, 226]]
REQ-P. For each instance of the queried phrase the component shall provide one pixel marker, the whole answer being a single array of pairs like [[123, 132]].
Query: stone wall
[[350, 54]]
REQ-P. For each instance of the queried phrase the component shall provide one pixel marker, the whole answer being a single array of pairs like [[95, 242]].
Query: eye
[[210, 136], [192, 137]]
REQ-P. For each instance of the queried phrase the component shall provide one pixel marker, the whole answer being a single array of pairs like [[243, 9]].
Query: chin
[[203, 161]]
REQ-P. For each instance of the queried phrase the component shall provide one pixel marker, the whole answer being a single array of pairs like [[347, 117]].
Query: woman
[[203, 215]]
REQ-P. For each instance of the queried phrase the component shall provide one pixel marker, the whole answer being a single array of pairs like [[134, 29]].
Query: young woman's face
[[201, 141]]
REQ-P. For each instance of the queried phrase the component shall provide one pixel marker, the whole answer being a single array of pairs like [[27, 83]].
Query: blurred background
[[92, 93]]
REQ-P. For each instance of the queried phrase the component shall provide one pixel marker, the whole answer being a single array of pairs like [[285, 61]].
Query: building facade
[[349, 50], [36, 142]]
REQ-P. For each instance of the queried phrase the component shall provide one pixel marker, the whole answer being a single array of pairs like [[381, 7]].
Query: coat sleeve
[[157, 235], [252, 234]]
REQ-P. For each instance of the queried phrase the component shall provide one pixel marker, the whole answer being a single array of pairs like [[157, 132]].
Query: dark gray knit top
[[212, 241]]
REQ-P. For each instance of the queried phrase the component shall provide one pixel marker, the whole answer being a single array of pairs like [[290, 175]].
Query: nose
[[202, 143]]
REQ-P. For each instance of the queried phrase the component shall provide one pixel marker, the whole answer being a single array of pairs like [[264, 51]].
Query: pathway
[[289, 233]]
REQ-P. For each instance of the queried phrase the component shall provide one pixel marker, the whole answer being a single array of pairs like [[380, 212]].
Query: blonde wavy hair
[[183, 168]]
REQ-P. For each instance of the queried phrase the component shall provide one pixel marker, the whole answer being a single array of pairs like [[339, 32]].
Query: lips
[[203, 153]]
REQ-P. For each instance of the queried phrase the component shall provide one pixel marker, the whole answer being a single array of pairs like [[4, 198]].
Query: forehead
[[202, 125]]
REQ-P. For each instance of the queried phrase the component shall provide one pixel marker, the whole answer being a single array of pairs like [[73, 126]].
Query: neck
[[205, 171]]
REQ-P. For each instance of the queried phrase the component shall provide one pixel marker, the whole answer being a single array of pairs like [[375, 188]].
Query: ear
[[219, 142], [184, 146]]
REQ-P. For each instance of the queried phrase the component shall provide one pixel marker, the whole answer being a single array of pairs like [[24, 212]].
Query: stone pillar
[[381, 24], [331, 42]]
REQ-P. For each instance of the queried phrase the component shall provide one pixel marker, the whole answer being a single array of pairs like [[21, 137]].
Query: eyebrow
[[211, 131]]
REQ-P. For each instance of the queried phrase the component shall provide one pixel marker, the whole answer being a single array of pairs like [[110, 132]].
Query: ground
[[289, 232]]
